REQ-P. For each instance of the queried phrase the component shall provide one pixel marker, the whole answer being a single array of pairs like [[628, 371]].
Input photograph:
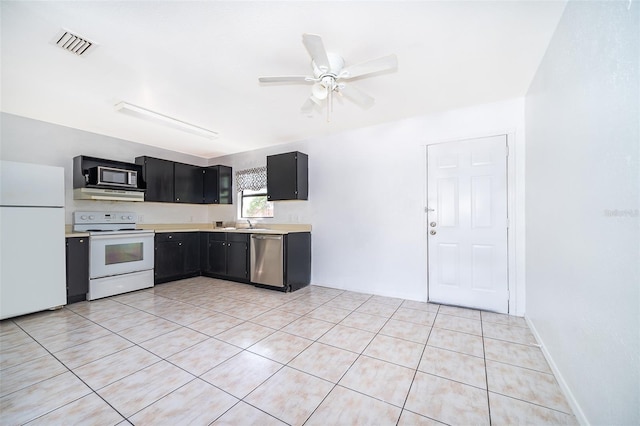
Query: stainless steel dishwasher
[[267, 259]]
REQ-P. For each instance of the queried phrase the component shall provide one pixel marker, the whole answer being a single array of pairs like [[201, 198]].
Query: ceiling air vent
[[73, 43]]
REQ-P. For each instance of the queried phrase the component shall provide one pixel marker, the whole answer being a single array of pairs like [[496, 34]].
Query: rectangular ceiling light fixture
[[149, 115]]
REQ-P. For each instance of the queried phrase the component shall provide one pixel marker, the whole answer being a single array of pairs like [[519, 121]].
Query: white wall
[[31, 141], [367, 195], [582, 164]]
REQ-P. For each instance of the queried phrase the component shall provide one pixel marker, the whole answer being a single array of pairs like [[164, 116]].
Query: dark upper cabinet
[[217, 185], [288, 176], [171, 182], [188, 185], [77, 265], [158, 176], [225, 182]]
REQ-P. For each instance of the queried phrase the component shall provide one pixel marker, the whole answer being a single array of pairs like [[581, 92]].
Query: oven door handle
[[121, 236]]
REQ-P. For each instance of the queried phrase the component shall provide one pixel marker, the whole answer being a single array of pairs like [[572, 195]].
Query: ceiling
[[200, 61]]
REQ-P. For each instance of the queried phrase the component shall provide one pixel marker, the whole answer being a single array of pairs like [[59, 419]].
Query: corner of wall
[[566, 390]]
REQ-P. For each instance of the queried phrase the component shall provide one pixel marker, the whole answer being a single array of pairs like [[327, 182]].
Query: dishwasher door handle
[[266, 237]]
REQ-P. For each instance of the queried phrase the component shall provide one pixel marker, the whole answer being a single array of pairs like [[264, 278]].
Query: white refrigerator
[[32, 240]]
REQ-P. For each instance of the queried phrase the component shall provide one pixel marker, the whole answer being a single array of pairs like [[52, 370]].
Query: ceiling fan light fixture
[[319, 91], [328, 69], [146, 114]]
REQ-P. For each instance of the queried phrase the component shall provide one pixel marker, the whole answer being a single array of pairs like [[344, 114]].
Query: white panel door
[[467, 223]]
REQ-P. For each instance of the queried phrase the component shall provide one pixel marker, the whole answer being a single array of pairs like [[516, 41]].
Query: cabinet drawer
[[240, 238], [169, 236], [217, 236]]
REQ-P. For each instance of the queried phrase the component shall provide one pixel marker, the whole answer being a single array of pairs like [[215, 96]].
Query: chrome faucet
[[250, 225]]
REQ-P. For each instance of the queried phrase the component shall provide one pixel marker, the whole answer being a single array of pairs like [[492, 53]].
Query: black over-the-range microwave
[[112, 176]]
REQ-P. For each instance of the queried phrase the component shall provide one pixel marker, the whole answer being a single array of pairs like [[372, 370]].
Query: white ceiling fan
[[329, 73]]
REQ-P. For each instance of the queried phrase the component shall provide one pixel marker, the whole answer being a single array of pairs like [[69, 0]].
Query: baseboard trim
[[566, 390]]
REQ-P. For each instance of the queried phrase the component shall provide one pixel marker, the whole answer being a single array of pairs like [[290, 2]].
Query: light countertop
[[277, 229]]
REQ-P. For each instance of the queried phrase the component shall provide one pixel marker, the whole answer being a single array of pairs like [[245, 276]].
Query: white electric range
[[121, 257]]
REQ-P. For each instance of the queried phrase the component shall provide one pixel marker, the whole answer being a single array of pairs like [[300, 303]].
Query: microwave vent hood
[[104, 194]]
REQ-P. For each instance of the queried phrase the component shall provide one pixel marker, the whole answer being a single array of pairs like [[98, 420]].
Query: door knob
[[432, 232]]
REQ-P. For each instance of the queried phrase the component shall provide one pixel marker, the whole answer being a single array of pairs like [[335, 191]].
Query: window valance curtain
[[254, 179]]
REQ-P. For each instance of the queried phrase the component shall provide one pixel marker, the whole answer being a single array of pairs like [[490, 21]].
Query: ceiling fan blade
[[310, 105], [385, 63], [287, 79], [357, 96], [315, 47], [307, 107]]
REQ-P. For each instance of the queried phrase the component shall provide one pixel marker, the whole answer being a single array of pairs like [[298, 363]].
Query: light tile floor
[[206, 351]]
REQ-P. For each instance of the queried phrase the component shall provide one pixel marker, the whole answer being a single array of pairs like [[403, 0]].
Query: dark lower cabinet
[[226, 256], [215, 254], [77, 265], [297, 268], [177, 256], [238, 256]]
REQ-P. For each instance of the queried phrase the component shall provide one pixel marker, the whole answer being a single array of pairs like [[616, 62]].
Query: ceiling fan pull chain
[[329, 104]]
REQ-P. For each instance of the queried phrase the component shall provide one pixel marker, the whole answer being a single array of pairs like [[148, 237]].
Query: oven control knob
[[123, 217], [83, 217], [130, 217], [91, 217]]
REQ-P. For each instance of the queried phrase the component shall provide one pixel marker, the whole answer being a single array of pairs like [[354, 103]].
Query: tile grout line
[[172, 296], [196, 377], [282, 365], [293, 368], [415, 373], [93, 391], [486, 373], [335, 385]]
